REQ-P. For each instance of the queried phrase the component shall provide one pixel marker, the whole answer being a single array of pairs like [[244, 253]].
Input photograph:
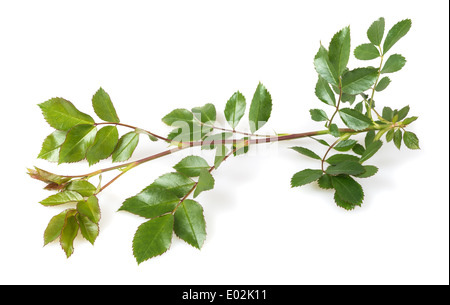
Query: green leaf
[[370, 150], [63, 115], [359, 80], [324, 67], [390, 135], [334, 130], [376, 31], [212, 141], [387, 113], [51, 146], [68, 234], [90, 208], [189, 132], [305, 176], [402, 113], [345, 167], [345, 145], [205, 182], [176, 183], [342, 203], [77, 142], [408, 121], [307, 152], [395, 33], [348, 189], [235, 109], [205, 114], [338, 158], [366, 51], [324, 92], [61, 198], [153, 238], [260, 108], [125, 147], [104, 144], [178, 117], [318, 115], [88, 229], [151, 202], [189, 224], [325, 182], [54, 227], [410, 139], [358, 149], [393, 64], [103, 106], [221, 153], [191, 166], [398, 138], [382, 84], [339, 50], [370, 170], [83, 187], [354, 119], [369, 138]]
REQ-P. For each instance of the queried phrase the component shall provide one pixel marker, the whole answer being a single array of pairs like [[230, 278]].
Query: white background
[[154, 56]]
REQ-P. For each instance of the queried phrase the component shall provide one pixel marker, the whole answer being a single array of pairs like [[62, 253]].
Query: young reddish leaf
[[54, 227], [68, 234]]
